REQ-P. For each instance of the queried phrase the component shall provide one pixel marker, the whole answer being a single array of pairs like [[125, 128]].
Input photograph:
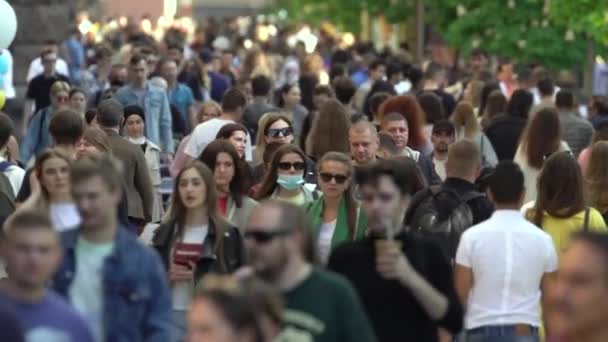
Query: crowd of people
[[201, 191]]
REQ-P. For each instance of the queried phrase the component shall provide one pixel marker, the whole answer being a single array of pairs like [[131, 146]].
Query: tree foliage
[[521, 29], [588, 17], [346, 14]]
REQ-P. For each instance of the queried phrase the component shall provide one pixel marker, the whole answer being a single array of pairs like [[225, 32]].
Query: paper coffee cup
[[384, 245]]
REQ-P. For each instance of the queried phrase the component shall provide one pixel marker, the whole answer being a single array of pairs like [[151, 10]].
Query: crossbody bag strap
[[586, 222]]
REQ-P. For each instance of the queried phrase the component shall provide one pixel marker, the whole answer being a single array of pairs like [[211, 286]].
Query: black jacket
[[504, 132], [233, 256]]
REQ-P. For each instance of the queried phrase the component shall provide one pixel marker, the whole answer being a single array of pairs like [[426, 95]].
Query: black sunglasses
[[280, 132], [327, 177], [265, 236], [298, 166]]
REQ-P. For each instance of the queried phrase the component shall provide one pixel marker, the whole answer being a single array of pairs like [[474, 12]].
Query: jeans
[[179, 325], [499, 333]]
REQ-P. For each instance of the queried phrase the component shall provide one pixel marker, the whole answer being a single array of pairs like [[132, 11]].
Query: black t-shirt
[[395, 313], [39, 89]]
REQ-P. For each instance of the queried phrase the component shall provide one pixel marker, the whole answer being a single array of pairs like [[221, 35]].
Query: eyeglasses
[[260, 236], [298, 166], [327, 177], [280, 132]]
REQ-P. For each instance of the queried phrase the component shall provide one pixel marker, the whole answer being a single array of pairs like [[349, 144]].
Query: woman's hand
[[179, 272]]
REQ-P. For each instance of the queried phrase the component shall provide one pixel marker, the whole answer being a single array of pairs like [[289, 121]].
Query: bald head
[[464, 160], [364, 144]]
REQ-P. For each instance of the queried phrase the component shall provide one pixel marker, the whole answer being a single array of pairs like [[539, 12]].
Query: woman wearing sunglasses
[[336, 216], [193, 239], [285, 178], [37, 137], [229, 171], [274, 127]]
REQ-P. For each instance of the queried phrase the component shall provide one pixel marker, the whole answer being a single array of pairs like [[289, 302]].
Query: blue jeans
[[179, 325], [500, 333]]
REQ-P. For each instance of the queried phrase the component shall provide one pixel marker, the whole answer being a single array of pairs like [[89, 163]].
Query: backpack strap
[[471, 195], [586, 221]]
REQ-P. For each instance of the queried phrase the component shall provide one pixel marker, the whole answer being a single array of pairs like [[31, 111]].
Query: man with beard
[[442, 137], [320, 306]]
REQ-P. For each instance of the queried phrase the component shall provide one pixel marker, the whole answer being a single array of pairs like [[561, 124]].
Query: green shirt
[[86, 292], [324, 308]]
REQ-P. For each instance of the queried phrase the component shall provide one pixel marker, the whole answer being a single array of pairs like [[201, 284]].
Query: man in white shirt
[[233, 106], [501, 266], [36, 68]]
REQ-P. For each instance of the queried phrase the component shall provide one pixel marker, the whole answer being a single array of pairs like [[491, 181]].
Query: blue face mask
[[290, 182]]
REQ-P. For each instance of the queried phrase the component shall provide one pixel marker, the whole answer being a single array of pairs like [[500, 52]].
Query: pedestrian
[[329, 131], [140, 192], [364, 143], [576, 131], [32, 253], [559, 208], [133, 129], [37, 137], [153, 100], [504, 131], [179, 95], [581, 307], [467, 126], [596, 187], [273, 128], [237, 135], [276, 238], [504, 255], [101, 254], [289, 100], [442, 137], [231, 182], [285, 179], [540, 139], [391, 268], [336, 217], [260, 86], [193, 239]]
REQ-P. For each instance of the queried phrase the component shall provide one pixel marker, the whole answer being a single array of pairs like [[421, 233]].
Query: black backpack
[[443, 215]]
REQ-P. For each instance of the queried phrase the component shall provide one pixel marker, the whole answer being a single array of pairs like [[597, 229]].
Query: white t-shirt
[[36, 68], [64, 216], [508, 256], [205, 133], [326, 234], [182, 291], [86, 292], [440, 167]]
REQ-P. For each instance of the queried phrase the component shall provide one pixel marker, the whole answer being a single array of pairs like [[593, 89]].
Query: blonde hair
[[596, 177], [464, 117], [59, 86]]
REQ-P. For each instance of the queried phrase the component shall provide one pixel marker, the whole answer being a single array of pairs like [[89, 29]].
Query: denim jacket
[[137, 304], [158, 123], [37, 138]]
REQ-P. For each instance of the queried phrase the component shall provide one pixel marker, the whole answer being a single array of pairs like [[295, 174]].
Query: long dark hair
[[541, 137], [560, 188], [349, 197], [177, 210], [269, 183], [329, 130], [238, 186]]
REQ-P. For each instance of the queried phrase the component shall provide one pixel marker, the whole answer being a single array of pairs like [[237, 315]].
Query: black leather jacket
[[232, 258]]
